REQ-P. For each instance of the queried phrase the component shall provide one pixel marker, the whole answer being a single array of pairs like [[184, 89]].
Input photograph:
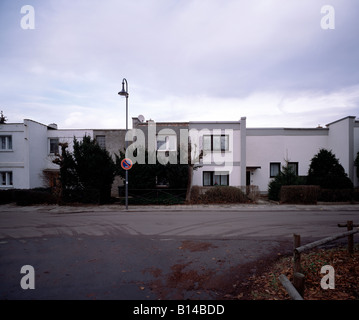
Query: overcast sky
[[185, 60]]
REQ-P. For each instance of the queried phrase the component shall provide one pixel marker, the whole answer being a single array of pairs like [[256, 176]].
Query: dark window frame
[[101, 140], [296, 164], [6, 143], [278, 164], [54, 146], [226, 142], [212, 179], [7, 179]]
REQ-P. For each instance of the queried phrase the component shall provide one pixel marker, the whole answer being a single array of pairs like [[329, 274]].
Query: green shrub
[[274, 189], [299, 194], [285, 177], [356, 194], [326, 171], [336, 195]]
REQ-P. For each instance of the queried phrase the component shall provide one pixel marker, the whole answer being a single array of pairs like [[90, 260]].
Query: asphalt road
[[150, 254]]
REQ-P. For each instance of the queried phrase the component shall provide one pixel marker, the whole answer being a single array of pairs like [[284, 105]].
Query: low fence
[[154, 196], [296, 290]]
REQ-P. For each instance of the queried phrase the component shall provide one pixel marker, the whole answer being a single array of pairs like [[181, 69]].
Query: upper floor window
[[101, 140], [5, 142], [166, 143], [216, 142], [54, 145]]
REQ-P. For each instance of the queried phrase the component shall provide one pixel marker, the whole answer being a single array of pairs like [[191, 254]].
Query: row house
[[223, 152]]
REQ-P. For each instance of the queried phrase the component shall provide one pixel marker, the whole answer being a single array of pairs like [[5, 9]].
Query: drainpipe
[[243, 146]]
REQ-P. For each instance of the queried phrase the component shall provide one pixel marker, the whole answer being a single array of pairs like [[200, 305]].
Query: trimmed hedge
[[7, 196], [336, 195], [27, 197], [313, 194], [299, 194], [219, 194]]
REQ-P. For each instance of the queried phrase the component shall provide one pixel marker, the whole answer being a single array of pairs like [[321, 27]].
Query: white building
[[232, 153], [252, 156], [27, 150], [224, 151], [269, 148]]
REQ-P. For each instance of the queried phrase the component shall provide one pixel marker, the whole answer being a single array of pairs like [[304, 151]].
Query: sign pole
[[126, 151]]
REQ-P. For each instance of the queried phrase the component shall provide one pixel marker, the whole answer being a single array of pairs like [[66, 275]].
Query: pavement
[[260, 206]]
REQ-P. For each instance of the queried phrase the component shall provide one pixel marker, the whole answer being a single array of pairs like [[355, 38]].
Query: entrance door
[[248, 178]]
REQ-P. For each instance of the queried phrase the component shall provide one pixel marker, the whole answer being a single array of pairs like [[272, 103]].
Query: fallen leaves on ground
[[268, 287]]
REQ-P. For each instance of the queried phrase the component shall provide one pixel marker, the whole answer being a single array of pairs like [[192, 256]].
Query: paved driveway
[[151, 253]]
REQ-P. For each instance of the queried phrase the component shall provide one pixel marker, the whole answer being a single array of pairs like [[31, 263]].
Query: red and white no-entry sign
[[126, 164]]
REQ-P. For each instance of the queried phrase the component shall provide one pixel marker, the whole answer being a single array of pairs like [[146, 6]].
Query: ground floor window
[[293, 166], [6, 178], [213, 178], [274, 169]]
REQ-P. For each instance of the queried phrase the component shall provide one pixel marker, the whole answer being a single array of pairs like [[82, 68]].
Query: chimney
[[52, 126]]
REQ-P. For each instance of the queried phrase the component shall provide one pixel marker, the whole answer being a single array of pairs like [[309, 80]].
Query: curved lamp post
[[124, 92]]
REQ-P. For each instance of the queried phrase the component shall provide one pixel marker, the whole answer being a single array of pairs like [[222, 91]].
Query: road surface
[[167, 253]]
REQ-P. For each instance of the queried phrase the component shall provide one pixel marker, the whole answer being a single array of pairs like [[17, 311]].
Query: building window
[[5, 143], [166, 143], [101, 140], [54, 145], [6, 179], [216, 142], [274, 169], [211, 178], [293, 166]]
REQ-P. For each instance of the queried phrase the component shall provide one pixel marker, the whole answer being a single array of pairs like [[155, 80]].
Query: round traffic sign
[[126, 164]]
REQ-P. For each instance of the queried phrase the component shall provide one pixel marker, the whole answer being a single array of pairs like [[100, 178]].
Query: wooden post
[[350, 237], [293, 293], [296, 255], [299, 282]]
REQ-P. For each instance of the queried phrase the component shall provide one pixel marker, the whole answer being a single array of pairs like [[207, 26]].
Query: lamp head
[[123, 91]]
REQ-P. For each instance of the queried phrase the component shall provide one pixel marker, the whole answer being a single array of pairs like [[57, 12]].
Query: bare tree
[[192, 159]]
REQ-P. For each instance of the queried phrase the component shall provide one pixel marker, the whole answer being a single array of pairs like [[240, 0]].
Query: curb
[[175, 208]]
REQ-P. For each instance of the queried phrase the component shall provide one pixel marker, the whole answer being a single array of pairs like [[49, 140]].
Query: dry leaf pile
[[268, 287]]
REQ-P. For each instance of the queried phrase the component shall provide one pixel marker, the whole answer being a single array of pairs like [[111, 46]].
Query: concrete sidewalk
[[262, 206]]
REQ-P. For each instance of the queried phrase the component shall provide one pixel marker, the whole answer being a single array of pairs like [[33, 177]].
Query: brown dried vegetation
[[268, 287]]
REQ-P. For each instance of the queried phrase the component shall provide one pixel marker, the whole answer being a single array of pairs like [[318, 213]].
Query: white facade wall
[[36, 149], [30, 153], [278, 145], [356, 150], [219, 162], [15, 160], [341, 143]]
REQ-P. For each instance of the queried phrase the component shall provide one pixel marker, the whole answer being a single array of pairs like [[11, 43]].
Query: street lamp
[[124, 92]]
